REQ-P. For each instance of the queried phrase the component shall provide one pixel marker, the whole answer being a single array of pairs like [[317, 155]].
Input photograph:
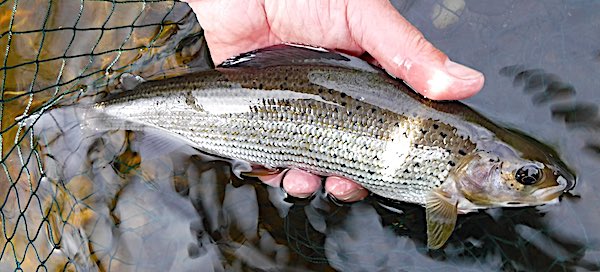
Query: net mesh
[[57, 53]]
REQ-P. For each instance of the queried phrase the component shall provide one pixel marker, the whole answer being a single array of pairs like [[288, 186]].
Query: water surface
[[78, 199]]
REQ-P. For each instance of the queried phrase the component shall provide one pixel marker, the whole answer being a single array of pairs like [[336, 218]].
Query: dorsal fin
[[296, 54]]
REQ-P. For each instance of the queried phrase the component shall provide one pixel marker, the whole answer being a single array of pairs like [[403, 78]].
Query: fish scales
[[332, 114], [278, 117]]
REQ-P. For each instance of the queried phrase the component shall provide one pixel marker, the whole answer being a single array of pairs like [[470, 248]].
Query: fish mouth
[[566, 180], [564, 176], [544, 196], [549, 194]]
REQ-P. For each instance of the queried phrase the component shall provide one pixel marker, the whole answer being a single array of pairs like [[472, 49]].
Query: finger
[[300, 183], [232, 27], [404, 52], [274, 179], [344, 189], [370, 59]]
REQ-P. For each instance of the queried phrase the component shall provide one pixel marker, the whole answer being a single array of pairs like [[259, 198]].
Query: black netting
[[58, 53], [80, 201]]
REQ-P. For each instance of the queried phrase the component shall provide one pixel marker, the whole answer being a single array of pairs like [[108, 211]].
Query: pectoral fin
[[441, 214]]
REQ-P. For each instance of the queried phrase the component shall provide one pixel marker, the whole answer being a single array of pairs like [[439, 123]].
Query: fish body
[[334, 115]]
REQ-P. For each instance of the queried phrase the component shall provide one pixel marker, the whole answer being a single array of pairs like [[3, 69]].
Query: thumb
[[403, 51]]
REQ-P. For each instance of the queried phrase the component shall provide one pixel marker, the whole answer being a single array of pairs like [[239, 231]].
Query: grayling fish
[[335, 115]]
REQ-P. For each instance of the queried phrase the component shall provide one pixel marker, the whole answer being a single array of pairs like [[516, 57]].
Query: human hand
[[233, 27]]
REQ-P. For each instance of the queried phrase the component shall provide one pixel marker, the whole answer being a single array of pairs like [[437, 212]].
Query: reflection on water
[[366, 236], [594, 149], [179, 211], [553, 90], [61, 52], [548, 89], [577, 113], [79, 199]]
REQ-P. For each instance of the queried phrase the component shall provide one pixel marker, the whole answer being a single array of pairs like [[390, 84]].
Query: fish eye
[[528, 175]]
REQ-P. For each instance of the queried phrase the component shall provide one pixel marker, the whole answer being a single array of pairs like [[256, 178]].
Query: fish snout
[[566, 179]]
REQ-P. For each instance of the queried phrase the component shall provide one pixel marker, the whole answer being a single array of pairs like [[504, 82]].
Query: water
[[111, 200]]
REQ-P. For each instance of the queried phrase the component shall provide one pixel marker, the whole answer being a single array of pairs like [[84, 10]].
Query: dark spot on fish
[[406, 171], [462, 152], [260, 86], [373, 110], [358, 107], [371, 172], [451, 163], [444, 135], [191, 101], [416, 145], [380, 120], [423, 131], [436, 126], [417, 164], [343, 104], [330, 91], [343, 95]]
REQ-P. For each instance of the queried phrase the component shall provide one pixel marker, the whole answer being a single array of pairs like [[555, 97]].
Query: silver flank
[[283, 128]]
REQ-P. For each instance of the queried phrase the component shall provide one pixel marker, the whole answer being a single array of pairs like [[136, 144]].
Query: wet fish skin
[[317, 129], [333, 115]]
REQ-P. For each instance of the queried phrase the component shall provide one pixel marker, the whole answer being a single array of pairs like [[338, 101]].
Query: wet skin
[[234, 27]]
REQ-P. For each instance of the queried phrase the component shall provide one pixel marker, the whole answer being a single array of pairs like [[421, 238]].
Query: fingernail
[[461, 71], [345, 190], [301, 184], [357, 195], [273, 180]]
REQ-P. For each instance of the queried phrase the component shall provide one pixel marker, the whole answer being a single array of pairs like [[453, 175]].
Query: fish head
[[505, 179], [487, 179], [511, 171]]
